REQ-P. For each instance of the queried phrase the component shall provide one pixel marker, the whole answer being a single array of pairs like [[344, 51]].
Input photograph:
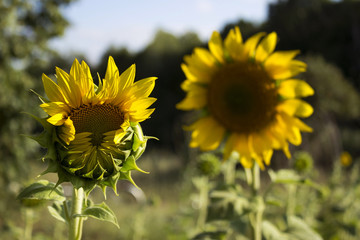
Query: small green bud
[[208, 164], [303, 162]]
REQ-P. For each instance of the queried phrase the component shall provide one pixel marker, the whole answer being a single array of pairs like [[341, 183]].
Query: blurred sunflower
[[248, 94], [94, 130]]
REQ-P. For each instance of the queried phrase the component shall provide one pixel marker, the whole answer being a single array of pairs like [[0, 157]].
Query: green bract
[[130, 148]]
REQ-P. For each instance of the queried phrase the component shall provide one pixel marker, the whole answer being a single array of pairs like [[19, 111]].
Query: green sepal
[[41, 192], [127, 176], [123, 159], [130, 164], [101, 212], [41, 98], [110, 182]]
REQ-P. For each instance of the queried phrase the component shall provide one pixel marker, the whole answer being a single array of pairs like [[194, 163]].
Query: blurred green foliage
[[25, 30]]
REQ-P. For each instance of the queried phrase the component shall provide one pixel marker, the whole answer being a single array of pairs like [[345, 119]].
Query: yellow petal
[[233, 43], [198, 69], [143, 87], [119, 134], [267, 156], [190, 76], [127, 78], [242, 144], [281, 57], [53, 108], [213, 140], [142, 104], [276, 137], [203, 55], [87, 84], [295, 88], [216, 46], [250, 45], [295, 107], [112, 72], [291, 132], [302, 126], [69, 88], [195, 99], [246, 161], [259, 161], [141, 116], [287, 151], [202, 137], [258, 143], [67, 131], [266, 47], [296, 122], [188, 85], [57, 119], [229, 147], [52, 90], [293, 68]]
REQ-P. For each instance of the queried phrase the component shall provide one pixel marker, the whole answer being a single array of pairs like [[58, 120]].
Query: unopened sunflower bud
[[208, 164], [303, 162]]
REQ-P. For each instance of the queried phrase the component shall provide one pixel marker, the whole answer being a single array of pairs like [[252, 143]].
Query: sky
[[95, 25]]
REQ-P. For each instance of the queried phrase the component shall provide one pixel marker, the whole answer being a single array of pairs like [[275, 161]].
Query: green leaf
[[101, 212], [58, 211], [41, 191], [217, 235], [299, 230], [286, 176], [271, 232]]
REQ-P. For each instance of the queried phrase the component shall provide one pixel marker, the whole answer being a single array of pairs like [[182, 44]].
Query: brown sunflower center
[[97, 119], [242, 97]]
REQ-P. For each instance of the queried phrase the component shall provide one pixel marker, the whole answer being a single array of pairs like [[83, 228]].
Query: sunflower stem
[[76, 222], [253, 180], [29, 218], [291, 201]]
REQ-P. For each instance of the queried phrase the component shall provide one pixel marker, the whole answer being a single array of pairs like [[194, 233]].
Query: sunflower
[[249, 95], [93, 132]]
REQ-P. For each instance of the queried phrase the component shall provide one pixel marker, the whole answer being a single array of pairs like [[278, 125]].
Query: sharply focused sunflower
[[248, 94], [92, 132]]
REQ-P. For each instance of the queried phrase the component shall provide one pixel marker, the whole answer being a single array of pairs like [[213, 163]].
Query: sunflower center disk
[[96, 119], [242, 97]]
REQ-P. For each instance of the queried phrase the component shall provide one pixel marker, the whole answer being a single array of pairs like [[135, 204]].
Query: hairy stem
[[76, 222], [253, 180]]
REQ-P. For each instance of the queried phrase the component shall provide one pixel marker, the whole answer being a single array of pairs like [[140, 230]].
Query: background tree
[[25, 30]]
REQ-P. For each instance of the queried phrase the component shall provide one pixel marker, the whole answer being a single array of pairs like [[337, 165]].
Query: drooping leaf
[[299, 230], [217, 235], [40, 192], [101, 212], [271, 232], [58, 211], [286, 176]]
